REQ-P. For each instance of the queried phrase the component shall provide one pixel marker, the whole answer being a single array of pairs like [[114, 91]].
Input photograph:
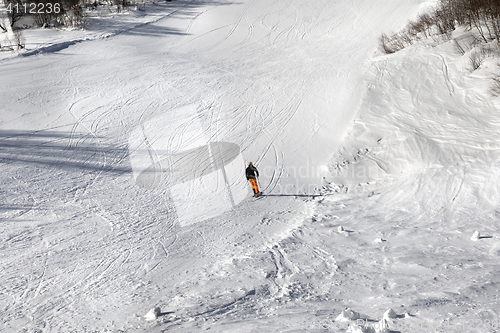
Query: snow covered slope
[[421, 167], [89, 245]]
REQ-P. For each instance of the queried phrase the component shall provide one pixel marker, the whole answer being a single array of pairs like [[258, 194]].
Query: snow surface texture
[[175, 152], [90, 245]]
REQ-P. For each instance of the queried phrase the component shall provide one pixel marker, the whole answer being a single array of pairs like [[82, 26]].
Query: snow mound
[[390, 314], [348, 315], [359, 324], [153, 314]]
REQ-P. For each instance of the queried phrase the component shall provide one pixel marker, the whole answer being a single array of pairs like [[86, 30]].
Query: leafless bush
[[3, 24], [18, 35], [444, 20], [73, 14], [384, 44], [14, 14], [7, 46], [476, 59], [481, 15], [47, 17], [419, 28], [495, 87], [391, 44], [79, 16]]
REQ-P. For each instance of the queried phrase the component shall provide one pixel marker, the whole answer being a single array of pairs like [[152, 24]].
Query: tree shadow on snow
[[63, 150], [179, 9], [187, 10]]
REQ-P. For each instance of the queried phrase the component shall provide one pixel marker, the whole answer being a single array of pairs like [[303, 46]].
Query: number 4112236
[[34, 8]]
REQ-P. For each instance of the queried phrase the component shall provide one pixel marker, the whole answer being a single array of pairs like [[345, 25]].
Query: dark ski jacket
[[251, 172]]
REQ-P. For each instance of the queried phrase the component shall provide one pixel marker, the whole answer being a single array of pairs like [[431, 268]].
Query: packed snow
[[124, 204]]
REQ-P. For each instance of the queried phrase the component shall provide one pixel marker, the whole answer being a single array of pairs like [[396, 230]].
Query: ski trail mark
[[327, 259], [285, 269]]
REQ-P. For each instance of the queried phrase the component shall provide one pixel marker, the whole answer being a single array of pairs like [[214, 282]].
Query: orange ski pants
[[255, 187]]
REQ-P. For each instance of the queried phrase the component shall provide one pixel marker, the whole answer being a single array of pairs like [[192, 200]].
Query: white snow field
[[124, 206]]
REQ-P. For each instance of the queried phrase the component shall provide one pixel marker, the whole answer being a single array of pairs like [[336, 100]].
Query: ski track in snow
[[84, 249]]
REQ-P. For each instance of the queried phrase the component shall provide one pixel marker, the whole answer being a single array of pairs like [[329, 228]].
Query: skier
[[252, 174]]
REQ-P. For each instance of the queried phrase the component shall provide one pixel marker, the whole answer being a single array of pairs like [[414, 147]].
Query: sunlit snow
[[124, 205]]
